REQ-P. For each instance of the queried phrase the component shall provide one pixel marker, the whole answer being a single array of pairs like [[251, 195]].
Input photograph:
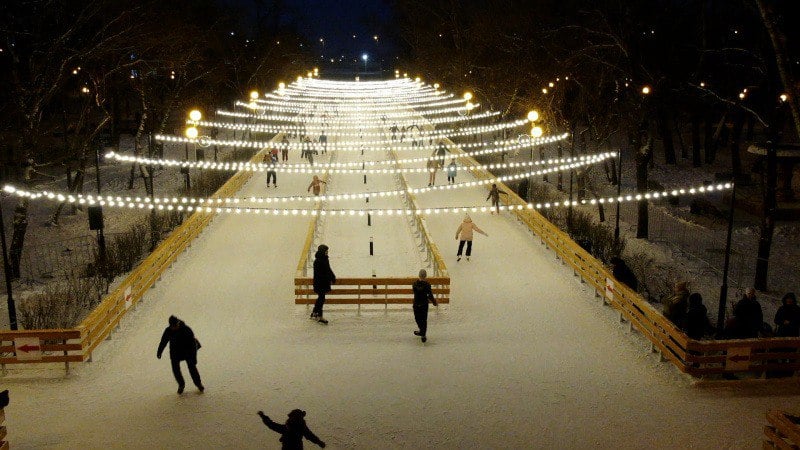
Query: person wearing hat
[[422, 295], [677, 304], [183, 346], [464, 234], [293, 431], [323, 278]]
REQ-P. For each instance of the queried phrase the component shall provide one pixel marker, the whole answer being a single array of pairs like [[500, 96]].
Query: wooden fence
[[783, 432], [3, 430], [369, 291], [77, 344]]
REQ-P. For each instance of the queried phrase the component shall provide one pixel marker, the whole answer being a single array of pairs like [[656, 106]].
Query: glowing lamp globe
[[533, 115], [418, 79], [646, 90], [537, 132], [436, 85], [281, 85], [468, 96], [253, 95], [784, 97], [191, 133], [470, 106], [195, 115]]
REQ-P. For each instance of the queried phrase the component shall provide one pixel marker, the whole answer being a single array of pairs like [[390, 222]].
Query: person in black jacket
[[623, 273], [787, 318], [293, 432], [182, 347], [422, 295], [323, 278], [697, 322], [748, 316]]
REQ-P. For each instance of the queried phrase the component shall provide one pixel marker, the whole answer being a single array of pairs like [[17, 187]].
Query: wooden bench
[[369, 291], [783, 431]]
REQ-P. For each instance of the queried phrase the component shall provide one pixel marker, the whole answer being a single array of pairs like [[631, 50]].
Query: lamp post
[[191, 133], [536, 132], [619, 188], [12, 309], [97, 223], [723, 290], [365, 57]]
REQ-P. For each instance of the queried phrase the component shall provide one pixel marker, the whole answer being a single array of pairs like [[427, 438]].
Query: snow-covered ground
[[523, 357]]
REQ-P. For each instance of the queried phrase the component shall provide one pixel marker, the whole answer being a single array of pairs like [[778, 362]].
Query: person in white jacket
[[464, 234]]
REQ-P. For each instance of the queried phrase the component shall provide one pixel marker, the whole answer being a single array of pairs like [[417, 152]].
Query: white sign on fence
[[28, 348], [128, 297], [610, 289], [738, 358]]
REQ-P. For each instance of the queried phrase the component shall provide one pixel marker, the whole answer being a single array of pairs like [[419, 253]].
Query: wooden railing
[[770, 357], [369, 291], [783, 431], [76, 345], [3, 430]]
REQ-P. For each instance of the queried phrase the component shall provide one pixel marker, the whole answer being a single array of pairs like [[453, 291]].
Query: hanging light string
[[350, 167], [353, 116], [297, 118], [281, 106], [346, 146], [336, 197], [225, 207], [329, 102]]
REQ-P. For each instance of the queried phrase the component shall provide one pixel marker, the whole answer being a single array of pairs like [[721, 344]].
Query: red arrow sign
[[29, 348], [737, 358]]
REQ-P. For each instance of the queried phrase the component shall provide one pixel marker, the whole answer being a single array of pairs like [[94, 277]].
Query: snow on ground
[[524, 357]]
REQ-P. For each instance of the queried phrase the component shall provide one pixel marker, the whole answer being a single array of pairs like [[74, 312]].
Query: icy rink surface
[[524, 357]]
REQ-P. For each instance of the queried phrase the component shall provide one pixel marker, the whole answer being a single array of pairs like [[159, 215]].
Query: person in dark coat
[[293, 431], [422, 295], [787, 318], [748, 317], [697, 322], [494, 194], [182, 347], [623, 273], [323, 278]]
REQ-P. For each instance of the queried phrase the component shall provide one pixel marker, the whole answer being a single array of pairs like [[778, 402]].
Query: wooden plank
[[364, 301], [403, 281], [45, 359], [368, 290], [785, 427], [47, 334]]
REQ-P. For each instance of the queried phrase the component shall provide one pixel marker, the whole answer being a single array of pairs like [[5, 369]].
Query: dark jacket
[[749, 317], [790, 313], [323, 275], [182, 343], [625, 275], [422, 294], [292, 433], [697, 322]]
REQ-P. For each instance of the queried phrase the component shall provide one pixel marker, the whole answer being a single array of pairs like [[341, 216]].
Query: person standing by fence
[[323, 279], [423, 294], [183, 346]]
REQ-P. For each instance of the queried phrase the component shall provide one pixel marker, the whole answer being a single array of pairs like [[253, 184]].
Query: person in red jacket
[[293, 431]]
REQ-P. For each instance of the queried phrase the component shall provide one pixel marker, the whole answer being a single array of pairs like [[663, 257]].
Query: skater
[[394, 131], [323, 278], [452, 169], [183, 346], [273, 160], [306, 148], [293, 431], [441, 152], [464, 234], [316, 185], [284, 149], [494, 194], [323, 140], [433, 166], [422, 295]]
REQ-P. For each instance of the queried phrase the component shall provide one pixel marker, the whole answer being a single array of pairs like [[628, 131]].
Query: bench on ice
[[369, 291]]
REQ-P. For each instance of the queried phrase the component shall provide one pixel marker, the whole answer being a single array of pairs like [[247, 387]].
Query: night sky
[[336, 22]]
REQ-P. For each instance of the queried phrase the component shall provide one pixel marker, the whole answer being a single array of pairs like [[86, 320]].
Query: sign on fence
[[28, 348], [738, 358], [610, 289], [128, 297]]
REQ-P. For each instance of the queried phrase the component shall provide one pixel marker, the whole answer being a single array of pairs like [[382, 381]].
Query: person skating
[[323, 278], [323, 141], [452, 169], [423, 294], [293, 431], [432, 166], [494, 194], [440, 152], [464, 234], [284, 149], [271, 174], [316, 185], [183, 346]]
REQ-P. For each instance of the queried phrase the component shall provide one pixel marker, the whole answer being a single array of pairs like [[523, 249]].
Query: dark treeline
[[77, 74]]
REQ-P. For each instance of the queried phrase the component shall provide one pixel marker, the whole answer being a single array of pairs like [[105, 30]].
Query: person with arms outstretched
[[293, 431]]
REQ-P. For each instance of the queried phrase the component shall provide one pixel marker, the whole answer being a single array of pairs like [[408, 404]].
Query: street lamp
[[365, 57], [537, 132], [253, 95], [533, 115], [467, 96], [191, 133]]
